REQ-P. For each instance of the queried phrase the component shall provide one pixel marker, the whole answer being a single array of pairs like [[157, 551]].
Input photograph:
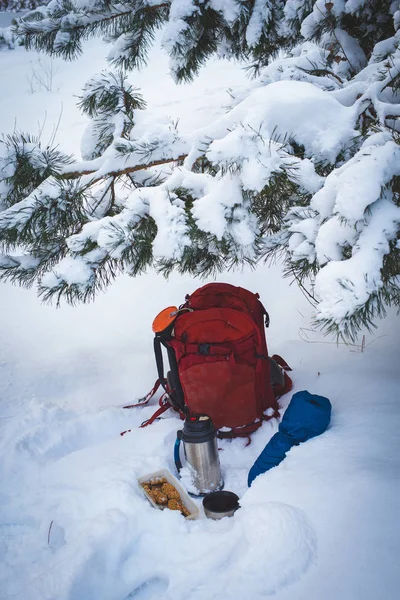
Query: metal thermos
[[201, 452]]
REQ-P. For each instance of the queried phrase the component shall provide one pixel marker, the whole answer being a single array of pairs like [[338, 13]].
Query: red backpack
[[219, 364]]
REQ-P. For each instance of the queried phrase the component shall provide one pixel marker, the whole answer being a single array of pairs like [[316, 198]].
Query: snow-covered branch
[[305, 164]]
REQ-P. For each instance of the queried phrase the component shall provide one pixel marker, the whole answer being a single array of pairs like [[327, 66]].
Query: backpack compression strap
[[164, 400], [281, 362], [164, 405], [280, 390], [143, 401]]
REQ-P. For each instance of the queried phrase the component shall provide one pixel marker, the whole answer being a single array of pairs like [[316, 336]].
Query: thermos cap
[[198, 429]]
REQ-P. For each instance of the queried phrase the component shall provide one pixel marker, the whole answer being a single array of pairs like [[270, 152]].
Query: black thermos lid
[[198, 429]]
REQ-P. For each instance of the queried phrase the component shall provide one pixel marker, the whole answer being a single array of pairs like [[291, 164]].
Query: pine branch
[[321, 72], [61, 28], [117, 173]]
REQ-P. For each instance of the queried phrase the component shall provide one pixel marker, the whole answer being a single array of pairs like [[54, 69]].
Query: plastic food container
[[186, 500]]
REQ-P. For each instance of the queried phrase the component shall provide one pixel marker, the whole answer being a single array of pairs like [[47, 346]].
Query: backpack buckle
[[204, 349]]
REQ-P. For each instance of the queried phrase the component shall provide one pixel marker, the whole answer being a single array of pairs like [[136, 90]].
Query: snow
[[274, 108], [74, 524], [362, 179], [352, 210], [351, 49], [72, 270], [177, 26], [261, 14], [353, 6], [171, 225], [327, 508], [211, 209], [344, 285], [228, 8]]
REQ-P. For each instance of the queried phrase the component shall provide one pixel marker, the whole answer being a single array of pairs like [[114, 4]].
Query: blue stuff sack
[[307, 416]]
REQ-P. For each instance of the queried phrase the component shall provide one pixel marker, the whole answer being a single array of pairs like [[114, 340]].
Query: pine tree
[[305, 165]]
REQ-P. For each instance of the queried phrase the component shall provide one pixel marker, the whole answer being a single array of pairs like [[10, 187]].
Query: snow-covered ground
[[73, 522]]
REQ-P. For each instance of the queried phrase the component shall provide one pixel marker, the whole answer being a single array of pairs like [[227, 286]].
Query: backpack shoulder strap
[[159, 361]]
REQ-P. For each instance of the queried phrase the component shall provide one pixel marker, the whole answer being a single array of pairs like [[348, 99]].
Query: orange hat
[[164, 319]]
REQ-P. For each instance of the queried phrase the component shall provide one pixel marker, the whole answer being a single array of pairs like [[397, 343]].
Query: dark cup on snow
[[220, 504]]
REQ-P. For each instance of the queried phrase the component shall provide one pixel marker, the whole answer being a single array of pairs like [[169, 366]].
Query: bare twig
[[306, 293], [48, 535], [360, 347], [303, 331], [56, 127], [41, 127], [42, 76]]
